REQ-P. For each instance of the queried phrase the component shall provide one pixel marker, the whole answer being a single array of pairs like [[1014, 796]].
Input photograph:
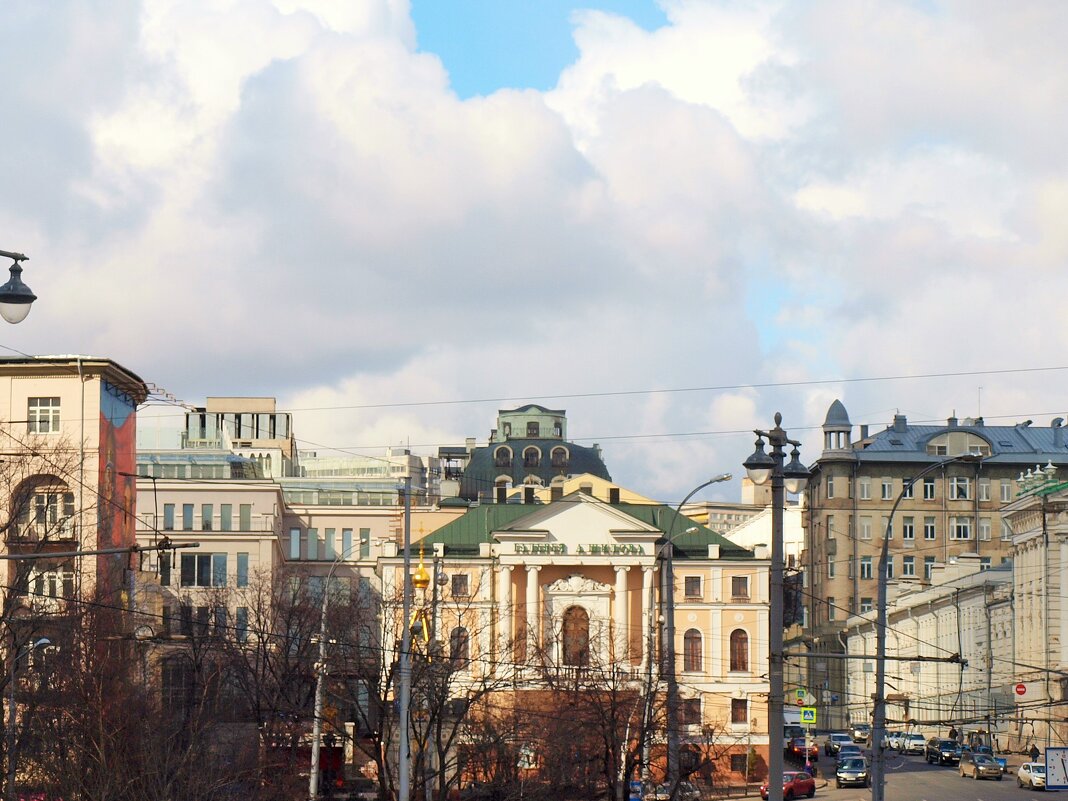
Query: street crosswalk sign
[[808, 715]]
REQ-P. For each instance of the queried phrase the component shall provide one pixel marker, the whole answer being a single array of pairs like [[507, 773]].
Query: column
[[621, 608], [531, 610], [504, 610], [647, 600]]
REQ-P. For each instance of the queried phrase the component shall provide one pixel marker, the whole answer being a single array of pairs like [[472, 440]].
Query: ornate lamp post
[[15, 297], [793, 477]]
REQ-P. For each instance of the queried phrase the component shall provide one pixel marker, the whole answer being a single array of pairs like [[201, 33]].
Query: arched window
[[502, 457], [459, 647], [691, 650], [576, 636], [531, 457], [739, 650], [559, 457]]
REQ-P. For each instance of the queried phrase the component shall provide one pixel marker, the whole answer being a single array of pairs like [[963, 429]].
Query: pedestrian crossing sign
[[808, 715]]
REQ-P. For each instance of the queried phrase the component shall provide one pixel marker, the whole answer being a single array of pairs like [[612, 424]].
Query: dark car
[[835, 741], [942, 752], [794, 785], [849, 752], [853, 771], [799, 746]]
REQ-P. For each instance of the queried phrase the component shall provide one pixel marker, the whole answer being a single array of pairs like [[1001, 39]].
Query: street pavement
[[910, 778]]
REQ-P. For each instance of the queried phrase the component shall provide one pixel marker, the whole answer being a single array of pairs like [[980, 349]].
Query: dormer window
[[533, 430], [560, 457], [531, 457], [502, 457]]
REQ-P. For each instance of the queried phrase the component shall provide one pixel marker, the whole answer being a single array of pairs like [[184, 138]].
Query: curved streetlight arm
[[667, 596], [878, 763]]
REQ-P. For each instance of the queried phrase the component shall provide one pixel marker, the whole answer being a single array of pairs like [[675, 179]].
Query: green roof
[[465, 534]]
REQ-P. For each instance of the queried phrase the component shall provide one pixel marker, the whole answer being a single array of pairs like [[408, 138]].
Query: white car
[[912, 744], [1032, 775]]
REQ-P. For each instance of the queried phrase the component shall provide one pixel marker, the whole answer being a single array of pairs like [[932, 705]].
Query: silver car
[[853, 771], [979, 766]]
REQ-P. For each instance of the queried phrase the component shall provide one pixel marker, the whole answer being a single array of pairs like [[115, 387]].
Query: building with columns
[[570, 590]]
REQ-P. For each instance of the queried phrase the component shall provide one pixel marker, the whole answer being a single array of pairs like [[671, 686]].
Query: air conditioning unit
[[832, 546]]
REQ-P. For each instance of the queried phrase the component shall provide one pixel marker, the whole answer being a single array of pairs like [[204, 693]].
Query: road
[[910, 778]]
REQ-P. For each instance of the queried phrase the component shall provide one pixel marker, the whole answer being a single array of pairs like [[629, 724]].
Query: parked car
[[794, 785], [1032, 775], [849, 752], [979, 766], [942, 751], [363, 789], [860, 732], [800, 745], [852, 771], [662, 792], [912, 744], [836, 740], [892, 738]]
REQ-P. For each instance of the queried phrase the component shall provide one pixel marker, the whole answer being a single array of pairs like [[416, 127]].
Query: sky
[[671, 219]]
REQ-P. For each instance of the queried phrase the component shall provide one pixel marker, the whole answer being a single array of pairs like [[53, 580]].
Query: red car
[[798, 748], [794, 785]]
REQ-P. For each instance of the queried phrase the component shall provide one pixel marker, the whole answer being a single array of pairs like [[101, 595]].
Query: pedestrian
[[953, 733], [1033, 753]]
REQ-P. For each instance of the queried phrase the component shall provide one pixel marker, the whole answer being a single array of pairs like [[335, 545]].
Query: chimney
[[863, 431], [901, 423], [1058, 432], [469, 443], [613, 495], [951, 422]]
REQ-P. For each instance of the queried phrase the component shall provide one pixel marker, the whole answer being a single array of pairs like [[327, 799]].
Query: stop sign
[[1021, 688]]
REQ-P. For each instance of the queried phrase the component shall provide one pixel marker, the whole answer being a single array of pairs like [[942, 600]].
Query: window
[[576, 636], [888, 489], [928, 489], [830, 527], [906, 488], [294, 543], [185, 622], [226, 517], [693, 587], [502, 457], [865, 527], [739, 710], [241, 624], [908, 566], [533, 429], [47, 514], [43, 415], [1004, 532], [830, 487], [1006, 490], [219, 626], [886, 526], [203, 570], [984, 529], [691, 650], [928, 566], [928, 528], [365, 542], [831, 608], [691, 711], [864, 488], [531, 457], [889, 567], [460, 647], [865, 567], [984, 563], [830, 566], [739, 763], [245, 517], [908, 528], [865, 605], [176, 686], [739, 650], [187, 517], [346, 543], [330, 544], [313, 544], [242, 570], [207, 513], [984, 489], [459, 585], [202, 621], [962, 528], [960, 488], [168, 517], [740, 588], [559, 457]]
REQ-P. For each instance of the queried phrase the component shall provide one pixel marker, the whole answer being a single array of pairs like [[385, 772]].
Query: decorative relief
[[576, 584]]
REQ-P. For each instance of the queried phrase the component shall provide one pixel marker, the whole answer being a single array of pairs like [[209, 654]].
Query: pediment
[[578, 525]]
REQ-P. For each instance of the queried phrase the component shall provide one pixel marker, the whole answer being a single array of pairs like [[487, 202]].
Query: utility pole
[[405, 666]]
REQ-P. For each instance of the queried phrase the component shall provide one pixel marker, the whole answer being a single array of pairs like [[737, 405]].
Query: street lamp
[[11, 761], [668, 596], [878, 729], [15, 297], [793, 477]]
